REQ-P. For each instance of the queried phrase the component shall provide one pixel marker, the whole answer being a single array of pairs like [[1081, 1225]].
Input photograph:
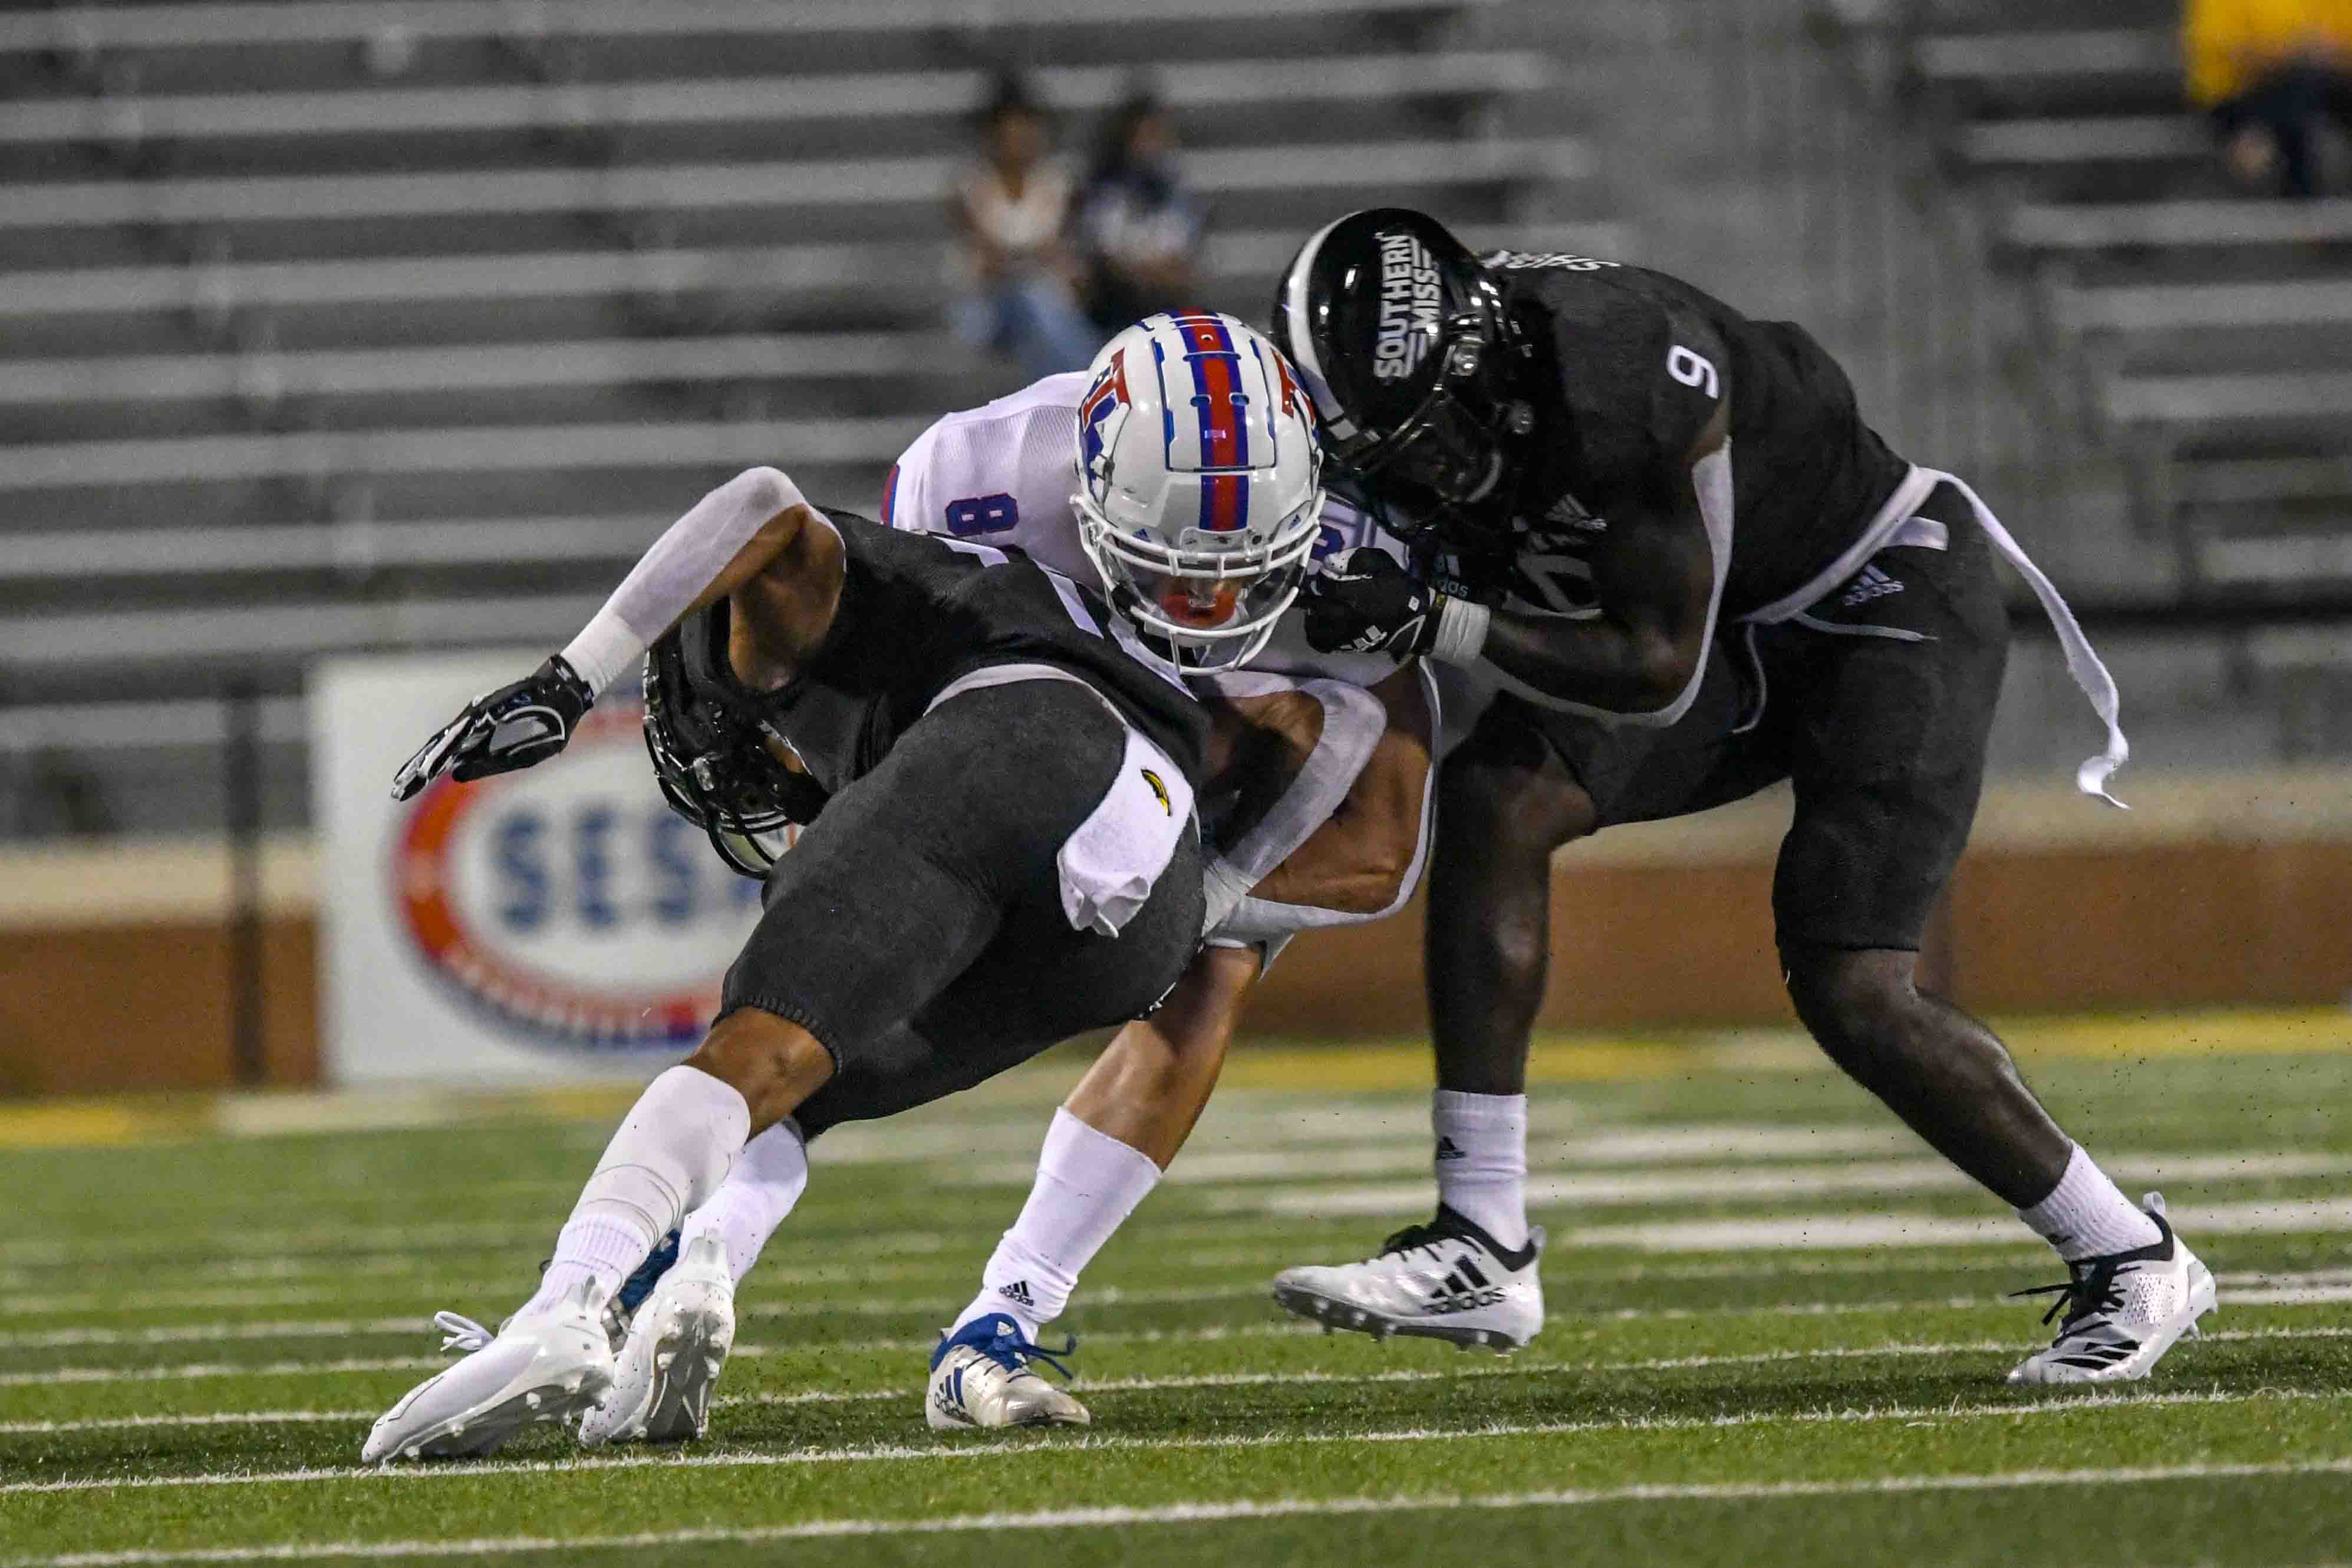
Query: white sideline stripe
[[1514, 1368], [1200, 1513], [1777, 1184], [762, 1459]]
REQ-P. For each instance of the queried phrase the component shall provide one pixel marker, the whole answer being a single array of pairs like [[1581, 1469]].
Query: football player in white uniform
[[1179, 477]]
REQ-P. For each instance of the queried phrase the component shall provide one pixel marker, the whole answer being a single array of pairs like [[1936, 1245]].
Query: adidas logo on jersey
[[1573, 513], [1465, 1290], [1872, 584], [1017, 1292]]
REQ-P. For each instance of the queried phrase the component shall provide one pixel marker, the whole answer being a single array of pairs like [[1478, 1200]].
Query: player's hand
[[510, 728], [1363, 602]]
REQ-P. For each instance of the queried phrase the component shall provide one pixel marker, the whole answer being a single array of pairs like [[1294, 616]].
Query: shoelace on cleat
[[2095, 1287], [1424, 1236], [2095, 1284], [1012, 1352], [463, 1333]]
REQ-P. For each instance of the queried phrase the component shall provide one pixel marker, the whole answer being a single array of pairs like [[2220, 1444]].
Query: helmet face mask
[[739, 801], [1199, 486], [1198, 611], [1404, 342]]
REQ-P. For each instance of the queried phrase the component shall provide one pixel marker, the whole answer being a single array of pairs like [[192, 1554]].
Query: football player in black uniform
[[1661, 536], [1000, 851]]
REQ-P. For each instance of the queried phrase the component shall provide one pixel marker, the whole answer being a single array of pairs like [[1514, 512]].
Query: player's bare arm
[[1359, 860], [1654, 580]]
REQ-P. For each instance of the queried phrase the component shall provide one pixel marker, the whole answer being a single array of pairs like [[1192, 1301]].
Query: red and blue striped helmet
[[1198, 485]]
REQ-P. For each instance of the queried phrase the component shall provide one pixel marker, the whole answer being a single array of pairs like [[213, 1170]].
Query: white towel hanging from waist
[[2082, 660]]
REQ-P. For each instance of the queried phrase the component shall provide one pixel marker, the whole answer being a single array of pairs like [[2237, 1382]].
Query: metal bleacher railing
[[346, 325]]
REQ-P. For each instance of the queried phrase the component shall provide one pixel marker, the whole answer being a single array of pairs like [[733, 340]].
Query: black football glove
[[510, 728], [1363, 602]]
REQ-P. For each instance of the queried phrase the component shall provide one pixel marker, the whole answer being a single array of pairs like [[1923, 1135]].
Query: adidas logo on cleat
[[1018, 1291], [2098, 1357], [1464, 1291]]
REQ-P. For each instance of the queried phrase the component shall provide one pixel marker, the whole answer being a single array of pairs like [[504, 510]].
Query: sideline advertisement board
[[558, 923]]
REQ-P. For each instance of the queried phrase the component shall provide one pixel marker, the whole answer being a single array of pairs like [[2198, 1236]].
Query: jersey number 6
[[1693, 370]]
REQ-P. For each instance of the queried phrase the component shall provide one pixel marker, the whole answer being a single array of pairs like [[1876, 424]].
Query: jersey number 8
[[983, 514]]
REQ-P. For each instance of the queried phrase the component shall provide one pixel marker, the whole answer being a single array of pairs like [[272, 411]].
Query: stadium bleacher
[[338, 325], [2207, 327]]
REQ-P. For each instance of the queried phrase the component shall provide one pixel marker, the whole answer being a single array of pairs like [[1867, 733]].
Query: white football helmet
[[1198, 485]]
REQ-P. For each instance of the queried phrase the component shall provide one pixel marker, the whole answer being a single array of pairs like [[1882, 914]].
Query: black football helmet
[[714, 768], [1404, 339]]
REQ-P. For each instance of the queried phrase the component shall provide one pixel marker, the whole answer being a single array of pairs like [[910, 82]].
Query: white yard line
[[1850, 1232], [1199, 1514], [1513, 1368], [1767, 1183], [2279, 1291], [18, 1306], [236, 1250], [224, 1248], [1665, 1144], [198, 1370], [295, 1368], [1559, 1271], [867, 1454], [1203, 1513]]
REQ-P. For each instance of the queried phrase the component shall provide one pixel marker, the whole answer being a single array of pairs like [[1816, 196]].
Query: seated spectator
[[2276, 76], [1137, 227], [1011, 209]]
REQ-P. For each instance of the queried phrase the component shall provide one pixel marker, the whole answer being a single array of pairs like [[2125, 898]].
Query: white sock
[[2087, 1215], [766, 1180], [1482, 1161], [1087, 1183], [671, 1153]]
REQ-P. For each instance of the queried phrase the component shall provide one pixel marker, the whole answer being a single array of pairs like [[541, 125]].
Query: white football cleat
[[549, 1366], [2123, 1311], [981, 1377], [678, 1343], [1447, 1280]]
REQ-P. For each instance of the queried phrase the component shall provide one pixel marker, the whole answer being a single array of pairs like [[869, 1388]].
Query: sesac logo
[[1409, 307], [566, 903]]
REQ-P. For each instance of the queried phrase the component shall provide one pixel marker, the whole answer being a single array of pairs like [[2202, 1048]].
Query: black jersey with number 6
[[1631, 367], [917, 613]]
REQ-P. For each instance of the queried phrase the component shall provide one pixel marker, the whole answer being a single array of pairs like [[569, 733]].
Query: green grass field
[[1778, 1334]]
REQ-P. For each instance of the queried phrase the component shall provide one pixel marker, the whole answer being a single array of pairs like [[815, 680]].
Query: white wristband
[[1461, 631], [1222, 890], [605, 647]]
